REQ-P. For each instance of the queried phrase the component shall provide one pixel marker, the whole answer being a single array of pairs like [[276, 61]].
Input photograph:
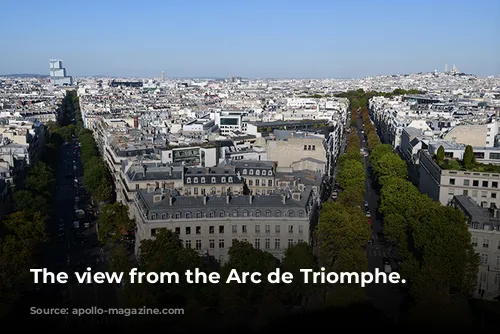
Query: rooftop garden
[[468, 163]]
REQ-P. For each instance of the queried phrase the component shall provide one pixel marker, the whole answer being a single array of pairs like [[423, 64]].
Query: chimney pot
[[204, 199], [170, 200], [228, 199], [283, 198], [250, 197]]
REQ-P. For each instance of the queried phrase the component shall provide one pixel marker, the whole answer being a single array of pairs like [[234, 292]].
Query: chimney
[[283, 198], [250, 197], [204, 200], [291, 135], [228, 199], [170, 200], [144, 170]]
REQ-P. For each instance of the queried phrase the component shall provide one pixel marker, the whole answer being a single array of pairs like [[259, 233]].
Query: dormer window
[[214, 180], [264, 173], [244, 172], [230, 179], [250, 172], [188, 180], [223, 179], [257, 172], [202, 180], [195, 180]]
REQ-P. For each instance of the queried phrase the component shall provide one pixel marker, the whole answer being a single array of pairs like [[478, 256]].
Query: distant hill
[[24, 75]]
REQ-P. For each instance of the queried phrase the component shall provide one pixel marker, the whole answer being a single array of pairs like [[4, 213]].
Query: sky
[[250, 38]]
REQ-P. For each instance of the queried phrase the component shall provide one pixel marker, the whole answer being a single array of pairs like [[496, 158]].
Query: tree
[[297, 257], [379, 151], [469, 159], [114, 222], [390, 166], [40, 179], [351, 197], [30, 203], [440, 154], [30, 229], [352, 175], [120, 260]]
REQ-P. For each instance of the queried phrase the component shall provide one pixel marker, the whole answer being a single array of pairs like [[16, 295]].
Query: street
[[386, 297]]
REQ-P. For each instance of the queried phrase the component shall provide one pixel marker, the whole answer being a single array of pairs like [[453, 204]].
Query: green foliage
[[440, 154], [40, 179], [389, 166], [114, 222], [379, 151], [469, 160], [352, 175], [351, 197]]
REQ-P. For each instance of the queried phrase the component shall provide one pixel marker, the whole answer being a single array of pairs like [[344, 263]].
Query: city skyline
[[290, 39]]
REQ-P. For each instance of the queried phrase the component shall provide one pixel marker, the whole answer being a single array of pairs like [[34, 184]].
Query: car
[[60, 240], [61, 223], [75, 207], [369, 221], [60, 234], [366, 204], [335, 195], [387, 265], [61, 228], [368, 213]]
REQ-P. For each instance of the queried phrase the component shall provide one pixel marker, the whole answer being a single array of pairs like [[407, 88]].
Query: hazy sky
[[250, 38]]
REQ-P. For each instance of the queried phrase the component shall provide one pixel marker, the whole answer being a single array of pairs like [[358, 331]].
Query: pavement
[[386, 297]]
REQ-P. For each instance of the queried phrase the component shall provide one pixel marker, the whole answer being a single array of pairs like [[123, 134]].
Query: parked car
[[387, 265], [368, 213]]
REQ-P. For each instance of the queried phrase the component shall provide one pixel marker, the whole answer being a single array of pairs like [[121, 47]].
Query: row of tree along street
[[431, 241], [23, 233]]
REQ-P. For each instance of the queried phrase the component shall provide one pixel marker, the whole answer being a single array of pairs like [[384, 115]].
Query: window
[[301, 229], [198, 244], [250, 182], [498, 246], [221, 243], [264, 172], [465, 192], [493, 195], [485, 184], [486, 243], [257, 213], [291, 213], [221, 214], [305, 147], [257, 183], [177, 230], [198, 214], [497, 279], [223, 179], [269, 182], [202, 180], [300, 240], [198, 229], [211, 229], [268, 228], [290, 242], [257, 228], [257, 244], [475, 183], [188, 230], [221, 229], [495, 156], [484, 258], [235, 213], [301, 214], [494, 184], [211, 243], [267, 244], [314, 147], [452, 181], [466, 182], [244, 172], [268, 213], [153, 216], [230, 179], [250, 172], [153, 232], [290, 228], [498, 261], [257, 172], [474, 242], [484, 194], [474, 193], [211, 214], [245, 213], [188, 180], [278, 213], [308, 147], [214, 180], [234, 229], [277, 229], [277, 244], [187, 244], [243, 228]]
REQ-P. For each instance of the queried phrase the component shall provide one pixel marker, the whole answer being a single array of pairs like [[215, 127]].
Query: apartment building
[[442, 185], [484, 226], [209, 224]]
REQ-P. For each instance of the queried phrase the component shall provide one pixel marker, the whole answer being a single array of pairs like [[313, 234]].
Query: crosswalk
[[376, 253]]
